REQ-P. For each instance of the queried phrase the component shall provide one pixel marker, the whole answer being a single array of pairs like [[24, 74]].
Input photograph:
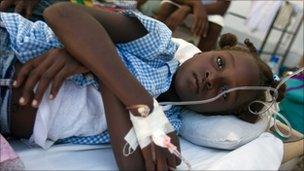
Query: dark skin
[[101, 30], [185, 79], [26, 7], [215, 69], [213, 72], [200, 12], [114, 99], [208, 32], [21, 6]]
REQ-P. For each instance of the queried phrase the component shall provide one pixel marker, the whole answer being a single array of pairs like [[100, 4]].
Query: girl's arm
[[119, 125], [88, 35]]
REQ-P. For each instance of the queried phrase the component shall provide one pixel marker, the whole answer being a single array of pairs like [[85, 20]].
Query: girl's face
[[208, 74]]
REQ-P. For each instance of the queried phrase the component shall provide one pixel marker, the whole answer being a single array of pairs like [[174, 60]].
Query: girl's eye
[[225, 96], [220, 63]]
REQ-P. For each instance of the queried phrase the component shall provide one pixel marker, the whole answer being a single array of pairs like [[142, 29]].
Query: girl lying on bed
[[131, 57]]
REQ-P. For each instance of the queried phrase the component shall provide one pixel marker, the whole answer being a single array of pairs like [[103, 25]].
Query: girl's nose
[[211, 79], [207, 78]]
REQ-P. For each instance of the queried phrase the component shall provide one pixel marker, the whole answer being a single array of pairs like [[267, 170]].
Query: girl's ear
[[244, 114]]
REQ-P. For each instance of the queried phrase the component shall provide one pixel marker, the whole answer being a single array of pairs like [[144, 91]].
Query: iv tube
[[222, 93], [265, 88], [268, 107]]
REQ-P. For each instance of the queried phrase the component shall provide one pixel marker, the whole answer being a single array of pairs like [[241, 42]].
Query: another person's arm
[[219, 7], [201, 12], [21, 6], [173, 16], [140, 3]]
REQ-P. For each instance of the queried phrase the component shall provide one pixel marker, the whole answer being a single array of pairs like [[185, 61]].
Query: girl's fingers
[[22, 99], [161, 158], [150, 165], [33, 78], [171, 162], [23, 74], [25, 71], [44, 83], [58, 81], [148, 157]]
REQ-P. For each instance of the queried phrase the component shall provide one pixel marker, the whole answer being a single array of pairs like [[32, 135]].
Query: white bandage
[[145, 127], [153, 128]]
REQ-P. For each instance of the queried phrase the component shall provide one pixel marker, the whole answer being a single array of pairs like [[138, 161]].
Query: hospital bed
[[263, 153]]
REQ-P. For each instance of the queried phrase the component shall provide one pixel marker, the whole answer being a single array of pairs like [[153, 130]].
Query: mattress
[[263, 153]]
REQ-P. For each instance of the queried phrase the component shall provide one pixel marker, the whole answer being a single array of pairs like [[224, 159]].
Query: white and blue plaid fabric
[[149, 59]]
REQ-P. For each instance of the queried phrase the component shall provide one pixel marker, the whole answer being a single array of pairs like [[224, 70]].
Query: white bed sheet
[[263, 153]]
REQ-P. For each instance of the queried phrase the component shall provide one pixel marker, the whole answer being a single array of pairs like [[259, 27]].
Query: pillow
[[220, 131]]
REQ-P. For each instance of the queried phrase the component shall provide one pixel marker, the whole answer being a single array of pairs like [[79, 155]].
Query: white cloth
[[185, 50], [74, 112], [80, 111], [262, 14], [155, 125], [248, 156], [263, 153]]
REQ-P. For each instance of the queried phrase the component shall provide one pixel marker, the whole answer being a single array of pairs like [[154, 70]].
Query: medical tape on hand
[[145, 127]]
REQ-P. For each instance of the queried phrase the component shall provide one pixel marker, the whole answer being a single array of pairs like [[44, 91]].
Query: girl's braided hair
[[229, 42]]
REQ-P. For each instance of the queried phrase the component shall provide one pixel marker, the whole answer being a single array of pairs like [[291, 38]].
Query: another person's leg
[[209, 42], [165, 10], [38, 9], [150, 7]]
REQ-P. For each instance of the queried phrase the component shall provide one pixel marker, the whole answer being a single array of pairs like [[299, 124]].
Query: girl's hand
[[177, 17], [50, 68], [158, 158], [200, 24], [21, 6]]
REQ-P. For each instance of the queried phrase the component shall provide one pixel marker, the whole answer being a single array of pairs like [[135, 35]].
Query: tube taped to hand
[[146, 127]]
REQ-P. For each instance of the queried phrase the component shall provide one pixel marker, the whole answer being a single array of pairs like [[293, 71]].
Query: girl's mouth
[[200, 83]]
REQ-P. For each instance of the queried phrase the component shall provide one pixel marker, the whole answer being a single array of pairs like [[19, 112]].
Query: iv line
[[219, 95], [275, 90], [268, 107]]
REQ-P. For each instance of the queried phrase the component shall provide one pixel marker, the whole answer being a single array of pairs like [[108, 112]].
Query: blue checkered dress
[[149, 59]]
